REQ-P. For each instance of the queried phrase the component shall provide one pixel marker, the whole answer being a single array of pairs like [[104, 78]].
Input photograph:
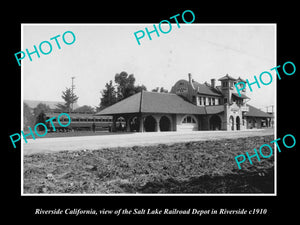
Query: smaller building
[[258, 119]]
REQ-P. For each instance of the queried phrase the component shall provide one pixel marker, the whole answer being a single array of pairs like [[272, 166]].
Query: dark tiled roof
[[206, 89], [255, 112], [242, 95], [153, 102], [271, 114], [214, 109], [127, 105], [168, 103]]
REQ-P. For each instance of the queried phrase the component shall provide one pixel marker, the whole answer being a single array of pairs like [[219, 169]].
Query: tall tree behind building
[[126, 85], [123, 88], [69, 98], [109, 96]]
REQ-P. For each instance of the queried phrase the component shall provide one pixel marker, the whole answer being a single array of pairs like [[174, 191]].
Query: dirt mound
[[252, 182], [194, 167]]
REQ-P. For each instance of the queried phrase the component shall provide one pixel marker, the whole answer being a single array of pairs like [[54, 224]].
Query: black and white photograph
[[105, 114]]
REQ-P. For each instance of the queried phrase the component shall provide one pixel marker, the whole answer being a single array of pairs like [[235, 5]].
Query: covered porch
[[143, 122], [150, 112]]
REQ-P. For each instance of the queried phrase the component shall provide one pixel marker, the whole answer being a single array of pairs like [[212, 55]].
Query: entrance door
[[215, 122], [238, 123], [149, 124], [231, 122], [164, 124]]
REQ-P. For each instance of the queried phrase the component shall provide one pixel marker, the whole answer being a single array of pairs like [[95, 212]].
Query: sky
[[101, 50]]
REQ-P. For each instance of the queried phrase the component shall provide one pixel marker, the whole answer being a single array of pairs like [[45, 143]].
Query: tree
[[29, 120], [125, 85], [39, 113], [40, 108], [155, 89], [140, 88], [161, 90], [109, 96], [70, 98]]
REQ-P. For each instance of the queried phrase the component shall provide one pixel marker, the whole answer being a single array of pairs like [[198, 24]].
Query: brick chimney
[[213, 83], [190, 78]]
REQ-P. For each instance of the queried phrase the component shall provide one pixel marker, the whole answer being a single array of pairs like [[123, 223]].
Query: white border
[[134, 24], [22, 117]]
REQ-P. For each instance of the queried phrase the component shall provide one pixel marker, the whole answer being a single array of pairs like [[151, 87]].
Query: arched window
[[188, 119]]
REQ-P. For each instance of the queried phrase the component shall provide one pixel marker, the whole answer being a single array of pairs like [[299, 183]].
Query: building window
[[209, 101], [188, 119], [204, 100], [225, 84], [213, 101], [200, 100], [225, 100]]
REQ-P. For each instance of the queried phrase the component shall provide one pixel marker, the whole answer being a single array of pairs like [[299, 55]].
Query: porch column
[[113, 126], [127, 120], [206, 100], [141, 123], [174, 122], [157, 119]]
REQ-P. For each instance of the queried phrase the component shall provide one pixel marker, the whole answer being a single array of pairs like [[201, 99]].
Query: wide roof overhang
[[153, 102]]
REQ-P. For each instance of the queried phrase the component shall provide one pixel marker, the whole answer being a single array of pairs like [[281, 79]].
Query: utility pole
[[267, 108], [272, 108], [72, 90]]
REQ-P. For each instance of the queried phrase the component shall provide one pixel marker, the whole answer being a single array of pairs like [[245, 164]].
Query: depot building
[[190, 106]]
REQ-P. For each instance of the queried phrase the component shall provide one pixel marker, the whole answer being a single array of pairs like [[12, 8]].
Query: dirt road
[[131, 139]]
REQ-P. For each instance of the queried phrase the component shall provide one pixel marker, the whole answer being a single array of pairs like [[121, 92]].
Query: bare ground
[[192, 167]]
